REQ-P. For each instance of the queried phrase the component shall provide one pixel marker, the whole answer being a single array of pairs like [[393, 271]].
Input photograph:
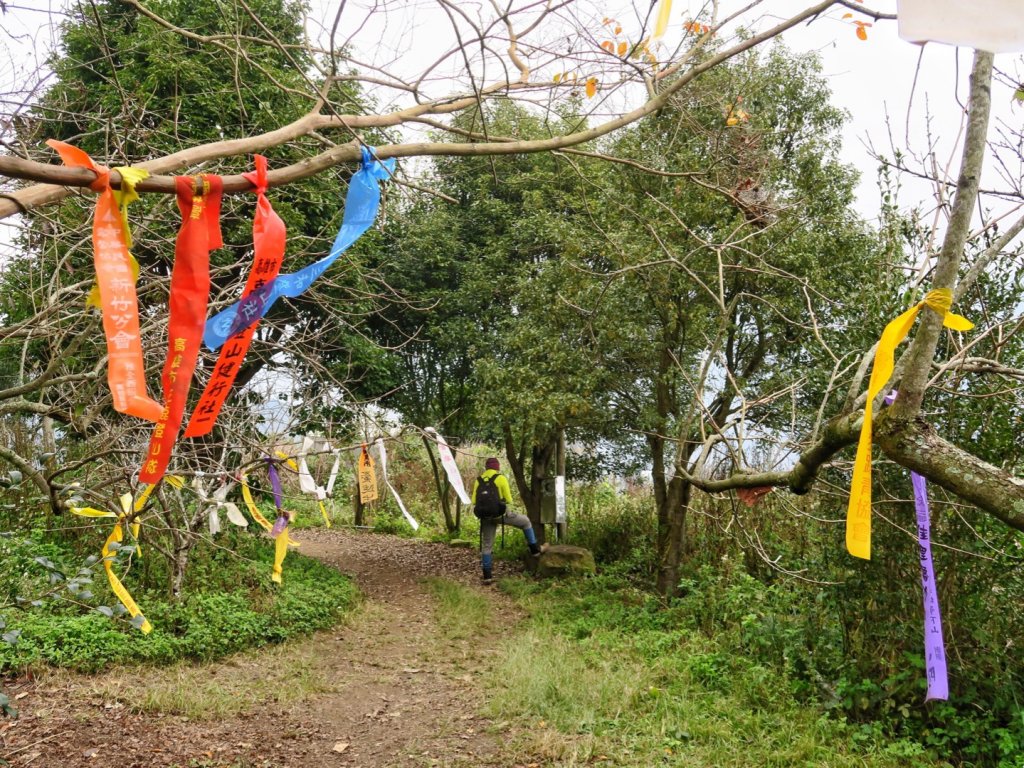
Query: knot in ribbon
[[939, 301], [258, 178]]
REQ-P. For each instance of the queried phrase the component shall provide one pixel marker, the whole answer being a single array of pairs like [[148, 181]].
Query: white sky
[[870, 78]]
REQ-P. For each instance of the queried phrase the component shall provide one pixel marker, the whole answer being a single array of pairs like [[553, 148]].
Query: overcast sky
[[871, 79]]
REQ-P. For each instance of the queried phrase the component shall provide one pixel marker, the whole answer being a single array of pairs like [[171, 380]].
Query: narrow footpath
[[388, 688]]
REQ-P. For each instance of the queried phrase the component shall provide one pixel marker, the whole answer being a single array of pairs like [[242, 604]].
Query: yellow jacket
[[501, 484]]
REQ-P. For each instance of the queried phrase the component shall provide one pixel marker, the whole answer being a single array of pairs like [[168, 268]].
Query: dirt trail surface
[[387, 689]]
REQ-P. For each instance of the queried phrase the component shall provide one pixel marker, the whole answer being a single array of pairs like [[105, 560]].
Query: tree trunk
[[357, 505], [441, 486], [531, 489], [672, 536]]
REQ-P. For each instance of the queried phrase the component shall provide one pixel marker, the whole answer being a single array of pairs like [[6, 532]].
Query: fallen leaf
[[339, 746]]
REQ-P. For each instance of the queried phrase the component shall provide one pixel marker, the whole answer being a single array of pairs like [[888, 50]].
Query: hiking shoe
[[487, 581]]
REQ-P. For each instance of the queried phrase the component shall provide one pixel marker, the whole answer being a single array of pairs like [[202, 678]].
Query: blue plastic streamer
[[361, 205]]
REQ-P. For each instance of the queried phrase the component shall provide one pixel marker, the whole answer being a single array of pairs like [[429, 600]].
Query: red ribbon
[[268, 236], [190, 292]]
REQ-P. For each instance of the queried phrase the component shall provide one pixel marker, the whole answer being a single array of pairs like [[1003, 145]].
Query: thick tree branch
[[36, 196], [915, 445]]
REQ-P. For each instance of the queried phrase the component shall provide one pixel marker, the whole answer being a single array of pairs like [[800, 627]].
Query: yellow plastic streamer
[[280, 552], [90, 512], [858, 515], [281, 544], [118, 535], [288, 460], [136, 525], [664, 11], [251, 506], [124, 197], [323, 511]]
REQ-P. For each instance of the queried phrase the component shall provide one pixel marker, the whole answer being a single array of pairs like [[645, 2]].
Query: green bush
[[229, 604]]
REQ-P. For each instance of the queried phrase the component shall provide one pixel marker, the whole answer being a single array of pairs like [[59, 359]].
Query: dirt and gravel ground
[[389, 688]]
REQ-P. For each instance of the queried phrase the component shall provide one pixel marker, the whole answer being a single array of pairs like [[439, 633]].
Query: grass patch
[[462, 613], [276, 677], [603, 679]]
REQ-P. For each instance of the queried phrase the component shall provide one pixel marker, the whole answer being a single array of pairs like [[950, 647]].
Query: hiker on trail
[[491, 497]]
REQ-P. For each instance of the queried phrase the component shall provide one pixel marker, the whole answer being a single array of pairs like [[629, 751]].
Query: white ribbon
[[307, 483], [450, 467], [334, 471], [217, 501], [383, 456]]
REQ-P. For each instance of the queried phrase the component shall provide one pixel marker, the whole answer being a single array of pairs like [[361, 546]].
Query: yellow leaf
[[591, 87], [732, 121], [862, 33], [847, 15], [623, 47], [608, 45], [618, 30], [558, 76]]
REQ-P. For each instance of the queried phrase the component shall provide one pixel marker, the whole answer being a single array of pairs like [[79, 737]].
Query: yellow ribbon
[[280, 552], [858, 515], [288, 460], [124, 197], [663, 13], [281, 544], [175, 481], [137, 525], [251, 506], [90, 512], [323, 511], [118, 535]]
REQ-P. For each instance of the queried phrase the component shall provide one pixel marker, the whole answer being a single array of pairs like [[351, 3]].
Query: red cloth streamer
[[126, 372], [190, 293], [268, 236]]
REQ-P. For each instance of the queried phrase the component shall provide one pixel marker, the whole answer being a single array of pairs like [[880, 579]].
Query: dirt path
[[387, 689]]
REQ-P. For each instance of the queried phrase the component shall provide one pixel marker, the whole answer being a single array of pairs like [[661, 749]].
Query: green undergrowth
[[605, 676], [462, 613], [228, 604]]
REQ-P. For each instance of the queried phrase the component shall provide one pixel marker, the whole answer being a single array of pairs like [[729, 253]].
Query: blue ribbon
[[361, 206]]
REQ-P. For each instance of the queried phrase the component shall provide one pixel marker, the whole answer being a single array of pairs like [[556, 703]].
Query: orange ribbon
[[190, 291], [268, 237], [126, 373]]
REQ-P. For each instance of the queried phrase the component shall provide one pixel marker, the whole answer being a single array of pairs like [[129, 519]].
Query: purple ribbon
[[934, 648]]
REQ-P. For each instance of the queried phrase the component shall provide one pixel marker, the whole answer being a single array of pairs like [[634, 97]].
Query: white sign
[[560, 498], [988, 25]]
